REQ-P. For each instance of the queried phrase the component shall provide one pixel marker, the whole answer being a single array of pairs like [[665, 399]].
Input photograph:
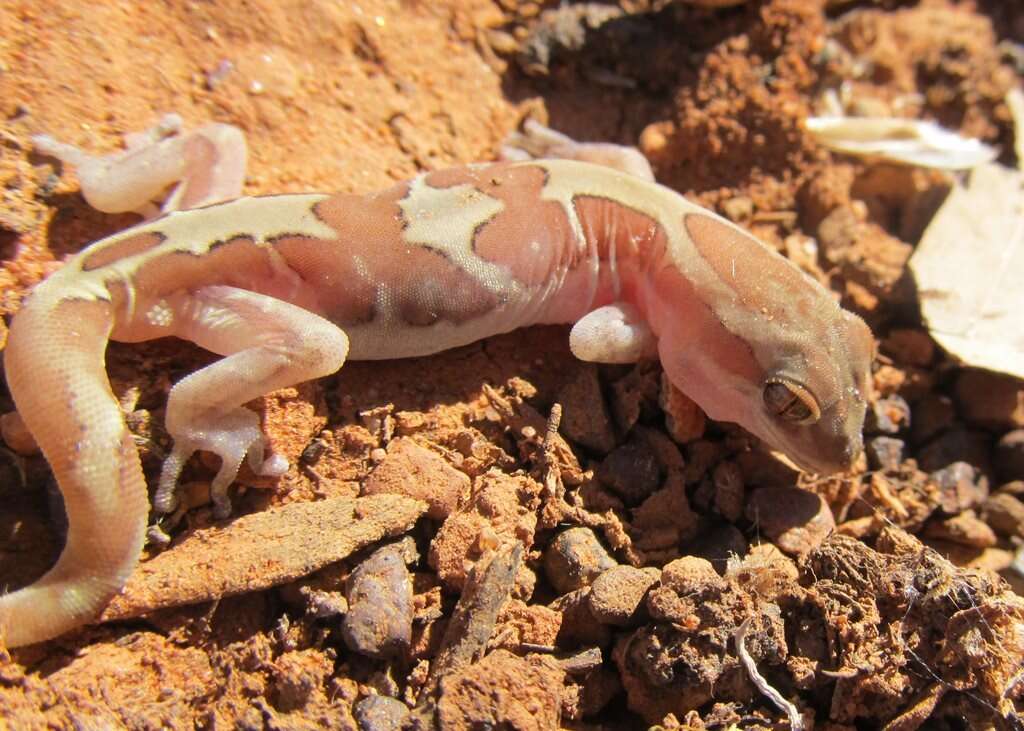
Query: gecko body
[[287, 287]]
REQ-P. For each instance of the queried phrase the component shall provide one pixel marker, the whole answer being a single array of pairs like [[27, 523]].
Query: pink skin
[[287, 287]]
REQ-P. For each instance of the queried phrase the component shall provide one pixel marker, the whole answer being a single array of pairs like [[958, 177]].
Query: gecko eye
[[791, 401]]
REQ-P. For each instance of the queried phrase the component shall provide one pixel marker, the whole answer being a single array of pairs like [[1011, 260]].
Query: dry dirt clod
[[585, 418], [665, 519], [562, 32], [574, 559], [635, 394], [378, 623], [701, 455], [413, 470], [617, 595], [501, 508], [503, 691], [684, 657], [487, 588], [864, 252]]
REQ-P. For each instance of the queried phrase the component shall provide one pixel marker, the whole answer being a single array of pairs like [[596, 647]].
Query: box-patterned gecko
[[287, 287]]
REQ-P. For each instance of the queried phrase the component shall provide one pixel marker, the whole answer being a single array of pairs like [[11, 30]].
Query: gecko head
[[813, 403], [803, 392]]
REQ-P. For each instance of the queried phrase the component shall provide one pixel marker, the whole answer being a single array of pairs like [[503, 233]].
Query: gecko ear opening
[[791, 401]]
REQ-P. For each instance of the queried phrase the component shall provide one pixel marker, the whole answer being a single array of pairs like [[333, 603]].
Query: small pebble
[[717, 543], [956, 445], [684, 419], [888, 415], [1005, 514], [380, 599], [884, 453], [700, 456], [574, 559], [965, 529], [961, 487], [380, 713], [990, 400], [631, 471], [931, 415], [617, 595], [1008, 458], [797, 521]]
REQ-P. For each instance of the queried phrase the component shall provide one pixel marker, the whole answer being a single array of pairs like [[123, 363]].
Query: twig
[[471, 626]]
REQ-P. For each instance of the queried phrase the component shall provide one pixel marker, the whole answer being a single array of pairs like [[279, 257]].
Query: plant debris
[[907, 141]]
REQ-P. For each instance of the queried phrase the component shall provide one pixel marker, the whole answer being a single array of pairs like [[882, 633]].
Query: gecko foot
[[231, 436]]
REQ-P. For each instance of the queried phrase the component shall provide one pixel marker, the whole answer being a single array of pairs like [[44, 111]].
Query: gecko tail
[[56, 371]]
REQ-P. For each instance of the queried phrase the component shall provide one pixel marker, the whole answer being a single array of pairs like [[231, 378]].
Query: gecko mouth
[[823, 463]]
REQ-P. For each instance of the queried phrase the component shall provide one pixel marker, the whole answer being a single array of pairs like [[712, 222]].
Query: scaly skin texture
[[287, 287]]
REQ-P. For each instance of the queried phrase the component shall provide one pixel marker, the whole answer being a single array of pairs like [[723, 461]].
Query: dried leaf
[[969, 268], [908, 141]]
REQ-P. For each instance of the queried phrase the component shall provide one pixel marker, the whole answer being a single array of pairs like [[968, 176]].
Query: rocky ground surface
[[441, 557]]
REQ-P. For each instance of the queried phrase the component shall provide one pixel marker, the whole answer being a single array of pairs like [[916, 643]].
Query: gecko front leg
[[615, 333], [268, 344]]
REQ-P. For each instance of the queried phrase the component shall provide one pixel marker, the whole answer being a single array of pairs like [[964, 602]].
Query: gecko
[[287, 287]]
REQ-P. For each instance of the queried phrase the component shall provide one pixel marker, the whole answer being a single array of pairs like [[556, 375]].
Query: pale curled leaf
[[907, 141], [969, 270], [1015, 103]]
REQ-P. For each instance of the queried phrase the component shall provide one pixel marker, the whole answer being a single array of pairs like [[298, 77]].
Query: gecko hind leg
[[201, 166], [268, 344]]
